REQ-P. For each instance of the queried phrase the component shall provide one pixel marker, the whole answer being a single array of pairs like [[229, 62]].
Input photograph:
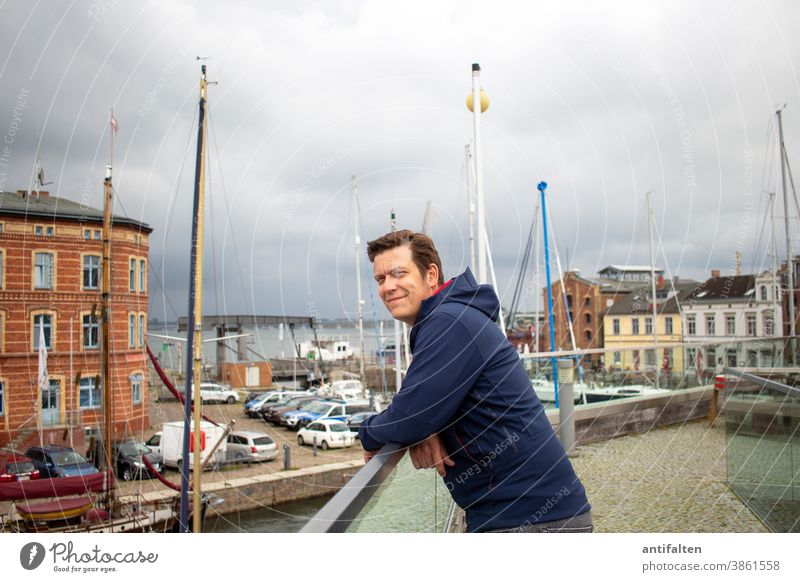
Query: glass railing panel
[[763, 451], [408, 501]]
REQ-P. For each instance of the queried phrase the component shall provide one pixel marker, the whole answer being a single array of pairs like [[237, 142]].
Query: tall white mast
[[774, 261], [470, 205], [476, 124], [398, 359], [653, 283], [354, 191]]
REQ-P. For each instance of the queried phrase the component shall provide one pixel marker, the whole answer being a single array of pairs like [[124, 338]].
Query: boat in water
[[604, 393]]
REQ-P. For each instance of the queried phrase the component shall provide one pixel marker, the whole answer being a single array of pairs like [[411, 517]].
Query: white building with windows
[[735, 311]]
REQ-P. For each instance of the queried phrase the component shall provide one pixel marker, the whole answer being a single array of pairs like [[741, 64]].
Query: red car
[[16, 468]]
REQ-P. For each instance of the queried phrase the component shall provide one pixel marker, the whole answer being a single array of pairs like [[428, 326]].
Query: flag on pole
[[44, 385], [114, 124]]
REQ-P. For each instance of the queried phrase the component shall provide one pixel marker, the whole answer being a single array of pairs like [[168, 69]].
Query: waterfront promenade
[[670, 479]]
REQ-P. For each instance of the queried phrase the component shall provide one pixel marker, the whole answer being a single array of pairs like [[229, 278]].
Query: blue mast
[[551, 324]]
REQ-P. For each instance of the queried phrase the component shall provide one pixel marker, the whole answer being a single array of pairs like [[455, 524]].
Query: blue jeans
[[577, 524]]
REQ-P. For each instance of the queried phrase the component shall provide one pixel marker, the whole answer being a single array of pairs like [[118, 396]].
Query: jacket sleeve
[[446, 365]]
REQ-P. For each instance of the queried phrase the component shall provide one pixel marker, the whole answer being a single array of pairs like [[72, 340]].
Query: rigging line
[[235, 245], [791, 179], [517, 296]]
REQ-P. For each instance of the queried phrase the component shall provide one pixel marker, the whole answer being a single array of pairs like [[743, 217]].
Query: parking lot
[[301, 456]]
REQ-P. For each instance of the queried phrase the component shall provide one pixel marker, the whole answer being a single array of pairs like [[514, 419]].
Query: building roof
[[630, 268], [638, 303], [52, 207], [723, 289]]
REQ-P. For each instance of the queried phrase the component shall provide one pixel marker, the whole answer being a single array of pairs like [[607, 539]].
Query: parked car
[[250, 446], [253, 407], [274, 414], [354, 421], [128, 464], [56, 461], [338, 409], [328, 433], [14, 467], [211, 392]]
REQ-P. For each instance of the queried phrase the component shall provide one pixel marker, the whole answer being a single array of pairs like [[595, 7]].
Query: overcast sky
[[605, 101]]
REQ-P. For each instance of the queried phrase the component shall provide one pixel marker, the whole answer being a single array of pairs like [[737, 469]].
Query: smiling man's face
[[401, 286]]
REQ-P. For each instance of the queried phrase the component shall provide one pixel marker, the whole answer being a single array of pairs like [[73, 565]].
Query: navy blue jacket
[[467, 383]]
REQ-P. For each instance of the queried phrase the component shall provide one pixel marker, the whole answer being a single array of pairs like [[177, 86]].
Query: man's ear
[[432, 275]]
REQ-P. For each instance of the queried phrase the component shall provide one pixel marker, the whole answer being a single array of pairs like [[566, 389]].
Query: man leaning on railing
[[466, 406]]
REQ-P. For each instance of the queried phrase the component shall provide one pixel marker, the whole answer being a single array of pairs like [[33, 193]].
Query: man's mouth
[[393, 300]]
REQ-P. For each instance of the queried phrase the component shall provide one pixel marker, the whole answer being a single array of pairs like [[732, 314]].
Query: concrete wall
[[605, 420]]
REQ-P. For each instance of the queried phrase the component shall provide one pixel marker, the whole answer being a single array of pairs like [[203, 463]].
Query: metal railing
[[340, 512]]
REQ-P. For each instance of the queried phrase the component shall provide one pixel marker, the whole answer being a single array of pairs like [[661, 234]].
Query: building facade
[[50, 255], [727, 309], [629, 326]]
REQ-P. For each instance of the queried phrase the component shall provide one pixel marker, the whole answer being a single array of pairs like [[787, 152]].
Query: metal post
[[566, 417], [314, 447], [481, 219], [287, 457], [789, 261], [653, 286]]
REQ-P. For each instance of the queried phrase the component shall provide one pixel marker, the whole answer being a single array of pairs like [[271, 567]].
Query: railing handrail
[[763, 382], [702, 343], [337, 515]]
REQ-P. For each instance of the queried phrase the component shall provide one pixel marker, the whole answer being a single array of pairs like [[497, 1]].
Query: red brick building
[[50, 251], [581, 299]]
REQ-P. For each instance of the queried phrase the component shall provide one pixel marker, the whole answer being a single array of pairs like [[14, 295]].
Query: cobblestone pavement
[[670, 479]]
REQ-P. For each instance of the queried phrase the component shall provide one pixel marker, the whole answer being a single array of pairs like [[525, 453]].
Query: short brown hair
[[423, 251]]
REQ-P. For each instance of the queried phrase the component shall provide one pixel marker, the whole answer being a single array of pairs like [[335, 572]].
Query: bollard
[[287, 457], [314, 447], [566, 399], [719, 386]]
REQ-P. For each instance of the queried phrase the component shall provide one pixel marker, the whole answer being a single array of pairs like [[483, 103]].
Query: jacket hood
[[463, 289]]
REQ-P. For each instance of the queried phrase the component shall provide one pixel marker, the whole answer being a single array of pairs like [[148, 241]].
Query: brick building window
[[136, 388], [43, 271], [142, 272], [89, 393], [587, 335], [132, 275], [43, 321], [635, 326], [91, 332], [2, 255], [91, 272], [587, 318], [132, 331], [87, 234], [2, 398], [141, 331]]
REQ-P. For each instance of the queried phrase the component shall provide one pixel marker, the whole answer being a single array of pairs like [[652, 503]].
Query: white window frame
[[43, 274], [89, 385], [89, 268], [90, 327], [137, 381]]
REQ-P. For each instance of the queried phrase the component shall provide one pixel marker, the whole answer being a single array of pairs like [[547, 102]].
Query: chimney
[[715, 272]]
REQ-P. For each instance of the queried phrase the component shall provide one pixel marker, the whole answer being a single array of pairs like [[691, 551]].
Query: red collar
[[443, 286]]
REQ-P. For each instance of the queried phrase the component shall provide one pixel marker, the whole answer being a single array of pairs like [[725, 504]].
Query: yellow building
[[628, 325]]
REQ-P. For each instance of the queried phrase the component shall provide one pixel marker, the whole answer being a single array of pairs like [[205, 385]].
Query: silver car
[[249, 446]]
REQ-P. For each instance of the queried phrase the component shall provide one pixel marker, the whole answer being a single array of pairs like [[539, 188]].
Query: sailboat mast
[[774, 261], [105, 327], [653, 284], [470, 205], [477, 110], [194, 343], [551, 319], [789, 261], [354, 191], [398, 358]]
